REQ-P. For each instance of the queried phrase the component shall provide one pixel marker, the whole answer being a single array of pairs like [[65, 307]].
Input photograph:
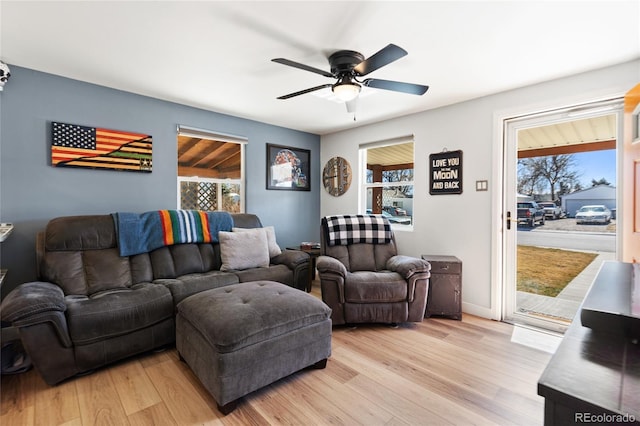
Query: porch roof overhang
[[589, 134]]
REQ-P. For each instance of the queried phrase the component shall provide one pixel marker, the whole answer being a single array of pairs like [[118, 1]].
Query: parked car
[[529, 212], [401, 220], [395, 211], [551, 210], [593, 214]]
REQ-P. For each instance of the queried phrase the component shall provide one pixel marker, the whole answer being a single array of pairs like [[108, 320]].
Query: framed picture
[[96, 148], [288, 168], [445, 173]]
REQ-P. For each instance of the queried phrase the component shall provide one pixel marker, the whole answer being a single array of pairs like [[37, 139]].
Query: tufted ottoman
[[241, 337]]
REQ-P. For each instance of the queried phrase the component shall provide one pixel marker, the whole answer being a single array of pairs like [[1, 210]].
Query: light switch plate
[[482, 185]]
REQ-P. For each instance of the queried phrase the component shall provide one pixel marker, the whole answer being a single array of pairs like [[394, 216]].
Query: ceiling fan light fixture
[[346, 90]]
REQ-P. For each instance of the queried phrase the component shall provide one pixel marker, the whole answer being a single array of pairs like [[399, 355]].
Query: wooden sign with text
[[445, 173]]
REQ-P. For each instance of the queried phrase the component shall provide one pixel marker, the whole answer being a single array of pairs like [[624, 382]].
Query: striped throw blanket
[[355, 229], [143, 232]]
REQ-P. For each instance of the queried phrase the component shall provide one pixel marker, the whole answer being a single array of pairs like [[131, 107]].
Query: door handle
[[508, 220]]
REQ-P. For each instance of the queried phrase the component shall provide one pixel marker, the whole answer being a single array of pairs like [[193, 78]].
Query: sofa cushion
[[105, 270], [243, 250], [377, 287], [361, 257], [80, 233], [278, 273], [186, 259], [181, 259], [86, 272], [186, 285], [141, 269], [65, 268], [117, 312]]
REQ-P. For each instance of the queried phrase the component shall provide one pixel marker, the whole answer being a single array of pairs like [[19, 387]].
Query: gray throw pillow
[[274, 248], [243, 250]]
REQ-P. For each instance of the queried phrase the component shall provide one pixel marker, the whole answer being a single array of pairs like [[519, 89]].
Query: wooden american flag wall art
[[91, 147]]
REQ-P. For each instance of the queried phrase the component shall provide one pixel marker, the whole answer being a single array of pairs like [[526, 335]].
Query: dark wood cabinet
[[445, 287], [594, 375]]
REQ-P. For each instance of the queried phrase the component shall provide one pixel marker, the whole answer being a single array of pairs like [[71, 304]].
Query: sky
[[596, 165]]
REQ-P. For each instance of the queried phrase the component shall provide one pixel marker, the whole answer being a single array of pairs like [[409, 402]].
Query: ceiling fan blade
[[302, 92], [383, 57], [396, 86], [302, 67]]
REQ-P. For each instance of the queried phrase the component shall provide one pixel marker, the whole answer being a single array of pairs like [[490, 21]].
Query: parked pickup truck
[[551, 210], [529, 212]]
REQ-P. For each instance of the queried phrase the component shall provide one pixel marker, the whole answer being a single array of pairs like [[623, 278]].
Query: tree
[[602, 181], [552, 171], [568, 188], [399, 176], [528, 178]]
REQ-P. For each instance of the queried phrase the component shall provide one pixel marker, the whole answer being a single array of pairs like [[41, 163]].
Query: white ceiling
[[217, 55]]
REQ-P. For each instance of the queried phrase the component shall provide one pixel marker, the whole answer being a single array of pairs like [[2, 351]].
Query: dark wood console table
[[594, 376]]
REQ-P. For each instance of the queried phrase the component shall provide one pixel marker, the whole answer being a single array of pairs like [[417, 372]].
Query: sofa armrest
[[291, 258], [408, 266], [328, 264], [40, 304], [29, 300]]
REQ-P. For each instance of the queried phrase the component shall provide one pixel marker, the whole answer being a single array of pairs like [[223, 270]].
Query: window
[[208, 194], [388, 180], [210, 171]]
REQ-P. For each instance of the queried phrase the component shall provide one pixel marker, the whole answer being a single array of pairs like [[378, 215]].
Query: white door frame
[[503, 240]]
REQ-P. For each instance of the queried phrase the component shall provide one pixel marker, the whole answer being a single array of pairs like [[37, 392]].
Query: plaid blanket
[[144, 232], [354, 229]]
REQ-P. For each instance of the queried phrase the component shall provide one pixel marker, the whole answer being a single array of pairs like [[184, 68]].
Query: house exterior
[[600, 194], [524, 197]]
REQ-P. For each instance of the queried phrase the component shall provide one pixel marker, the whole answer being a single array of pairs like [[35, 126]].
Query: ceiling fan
[[347, 66]]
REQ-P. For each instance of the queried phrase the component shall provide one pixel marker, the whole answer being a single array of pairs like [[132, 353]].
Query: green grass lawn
[[547, 271]]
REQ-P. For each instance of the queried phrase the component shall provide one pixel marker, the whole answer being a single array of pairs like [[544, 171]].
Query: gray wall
[[32, 191]]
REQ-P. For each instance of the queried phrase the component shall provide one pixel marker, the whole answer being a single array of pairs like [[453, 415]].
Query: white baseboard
[[479, 311]]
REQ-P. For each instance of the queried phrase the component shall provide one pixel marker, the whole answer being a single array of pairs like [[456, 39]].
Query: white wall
[[466, 225]]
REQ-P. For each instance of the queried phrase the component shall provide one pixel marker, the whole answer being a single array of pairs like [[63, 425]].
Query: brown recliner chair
[[363, 279]]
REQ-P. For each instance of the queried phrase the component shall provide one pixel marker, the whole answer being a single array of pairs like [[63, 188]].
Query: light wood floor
[[436, 372]]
